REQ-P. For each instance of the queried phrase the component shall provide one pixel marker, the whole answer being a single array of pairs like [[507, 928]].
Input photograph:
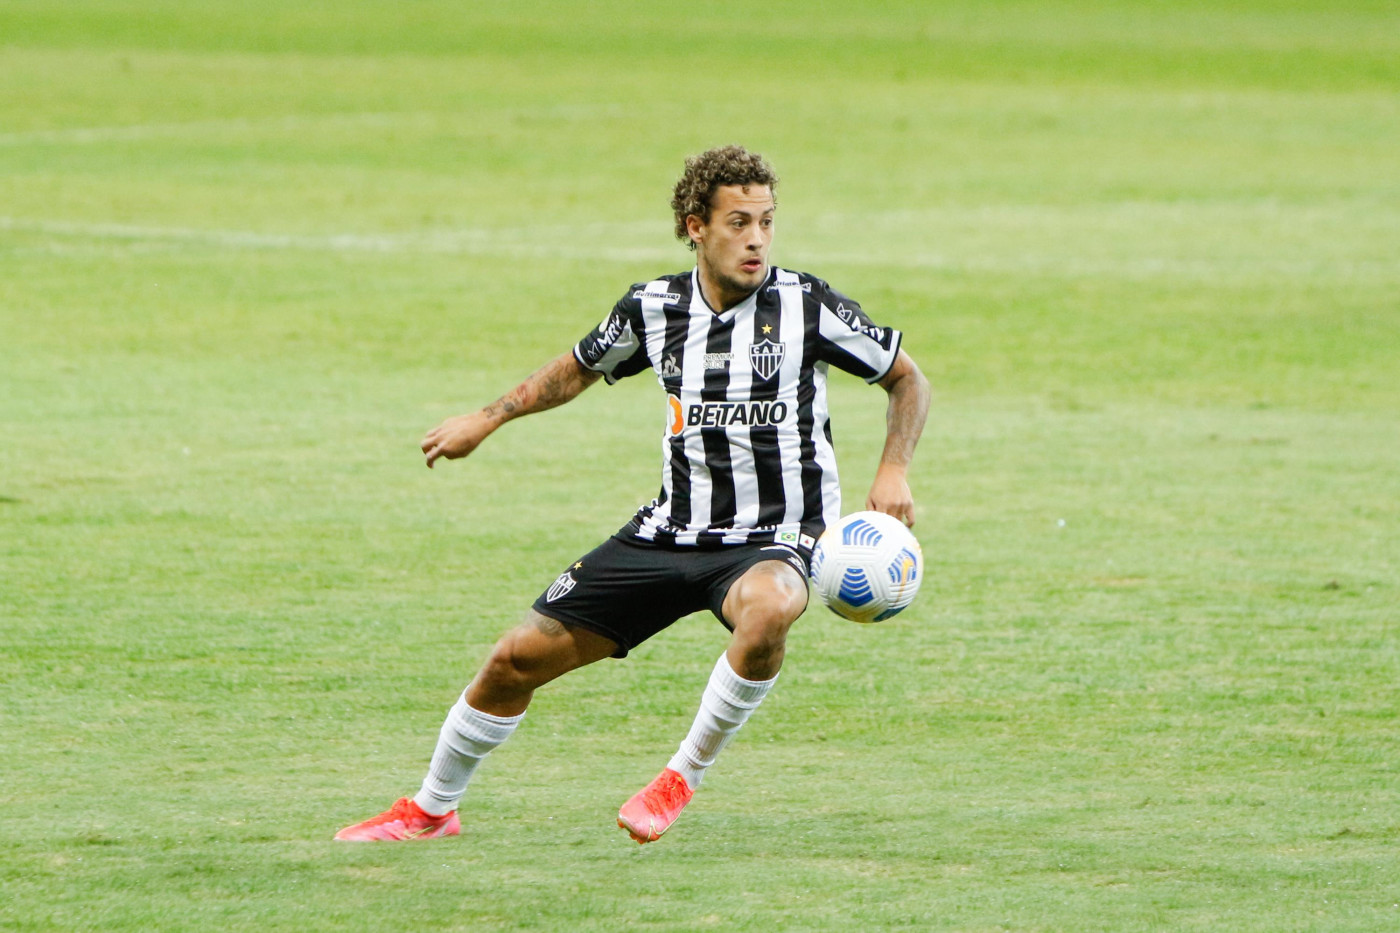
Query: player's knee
[[509, 667], [793, 599], [773, 600], [766, 609]]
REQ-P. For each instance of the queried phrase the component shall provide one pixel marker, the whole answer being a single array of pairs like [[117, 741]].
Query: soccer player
[[742, 351]]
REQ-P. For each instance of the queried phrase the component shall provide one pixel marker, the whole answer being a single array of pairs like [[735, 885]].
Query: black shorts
[[628, 590]]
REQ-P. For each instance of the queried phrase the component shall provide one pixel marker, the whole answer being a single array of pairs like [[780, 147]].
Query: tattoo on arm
[[558, 381]]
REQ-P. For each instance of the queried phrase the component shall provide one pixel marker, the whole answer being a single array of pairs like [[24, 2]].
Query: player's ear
[[695, 227]]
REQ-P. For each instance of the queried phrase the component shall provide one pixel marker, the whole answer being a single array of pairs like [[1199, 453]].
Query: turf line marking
[[135, 132], [138, 131], [482, 242], [582, 243]]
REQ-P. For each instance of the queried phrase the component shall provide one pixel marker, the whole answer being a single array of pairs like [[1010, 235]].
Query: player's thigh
[[543, 648], [624, 591], [769, 596]]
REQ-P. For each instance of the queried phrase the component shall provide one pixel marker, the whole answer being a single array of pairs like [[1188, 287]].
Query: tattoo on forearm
[[553, 386], [555, 383]]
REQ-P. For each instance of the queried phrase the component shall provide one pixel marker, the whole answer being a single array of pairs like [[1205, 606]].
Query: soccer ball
[[867, 567]]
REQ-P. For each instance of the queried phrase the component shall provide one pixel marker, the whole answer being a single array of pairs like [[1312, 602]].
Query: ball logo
[[904, 568]]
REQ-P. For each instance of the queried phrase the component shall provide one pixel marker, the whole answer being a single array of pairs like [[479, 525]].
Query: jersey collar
[[698, 300]]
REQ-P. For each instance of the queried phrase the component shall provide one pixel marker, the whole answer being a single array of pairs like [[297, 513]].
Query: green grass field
[[1148, 254]]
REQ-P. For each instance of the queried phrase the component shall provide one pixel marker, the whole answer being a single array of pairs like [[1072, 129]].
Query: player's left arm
[[904, 422]]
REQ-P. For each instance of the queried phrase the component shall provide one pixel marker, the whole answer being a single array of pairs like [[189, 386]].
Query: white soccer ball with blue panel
[[867, 567]]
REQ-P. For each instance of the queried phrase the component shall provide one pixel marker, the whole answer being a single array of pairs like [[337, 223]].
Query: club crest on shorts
[[560, 587], [766, 358]]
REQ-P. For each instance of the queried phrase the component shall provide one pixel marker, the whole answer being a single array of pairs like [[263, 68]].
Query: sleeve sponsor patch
[[611, 348], [851, 341]]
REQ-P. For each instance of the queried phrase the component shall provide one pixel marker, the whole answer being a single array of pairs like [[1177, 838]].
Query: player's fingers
[[904, 511], [433, 454]]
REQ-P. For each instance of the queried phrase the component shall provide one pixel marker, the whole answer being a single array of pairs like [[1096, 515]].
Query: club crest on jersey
[[766, 358], [560, 587]]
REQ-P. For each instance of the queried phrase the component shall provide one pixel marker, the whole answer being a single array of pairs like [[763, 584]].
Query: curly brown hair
[[725, 165]]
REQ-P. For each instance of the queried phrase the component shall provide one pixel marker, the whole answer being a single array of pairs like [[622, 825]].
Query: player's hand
[[890, 494], [456, 437]]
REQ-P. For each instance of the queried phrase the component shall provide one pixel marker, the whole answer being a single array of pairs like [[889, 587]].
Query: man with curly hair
[[742, 351]]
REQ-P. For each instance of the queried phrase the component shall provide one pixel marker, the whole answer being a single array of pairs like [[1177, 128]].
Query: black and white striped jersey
[[747, 453]]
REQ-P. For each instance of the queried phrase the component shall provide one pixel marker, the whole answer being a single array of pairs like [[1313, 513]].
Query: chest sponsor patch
[[724, 414], [718, 360]]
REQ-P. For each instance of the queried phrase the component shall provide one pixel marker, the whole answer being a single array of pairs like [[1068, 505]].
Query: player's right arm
[[611, 351], [557, 382]]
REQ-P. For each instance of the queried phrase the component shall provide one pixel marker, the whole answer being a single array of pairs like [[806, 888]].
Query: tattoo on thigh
[[547, 625]]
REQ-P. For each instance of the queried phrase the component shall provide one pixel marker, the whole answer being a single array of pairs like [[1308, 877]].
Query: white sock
[[726, 705], [468, 735]]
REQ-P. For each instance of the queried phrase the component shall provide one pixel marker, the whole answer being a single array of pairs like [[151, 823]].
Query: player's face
[[732, 247]]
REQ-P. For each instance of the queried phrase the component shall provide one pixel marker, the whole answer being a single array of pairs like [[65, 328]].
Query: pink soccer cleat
[[404, 820], [653, 809]]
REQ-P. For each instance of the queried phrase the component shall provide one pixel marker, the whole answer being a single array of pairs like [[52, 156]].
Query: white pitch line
[[508, 242], [138, 131], [291, 122], [589, 243]]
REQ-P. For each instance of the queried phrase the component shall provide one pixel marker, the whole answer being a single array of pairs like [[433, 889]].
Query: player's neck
[[719, 296]]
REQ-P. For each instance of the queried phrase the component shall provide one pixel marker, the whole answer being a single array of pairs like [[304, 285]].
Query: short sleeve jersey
[[747, 452]]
